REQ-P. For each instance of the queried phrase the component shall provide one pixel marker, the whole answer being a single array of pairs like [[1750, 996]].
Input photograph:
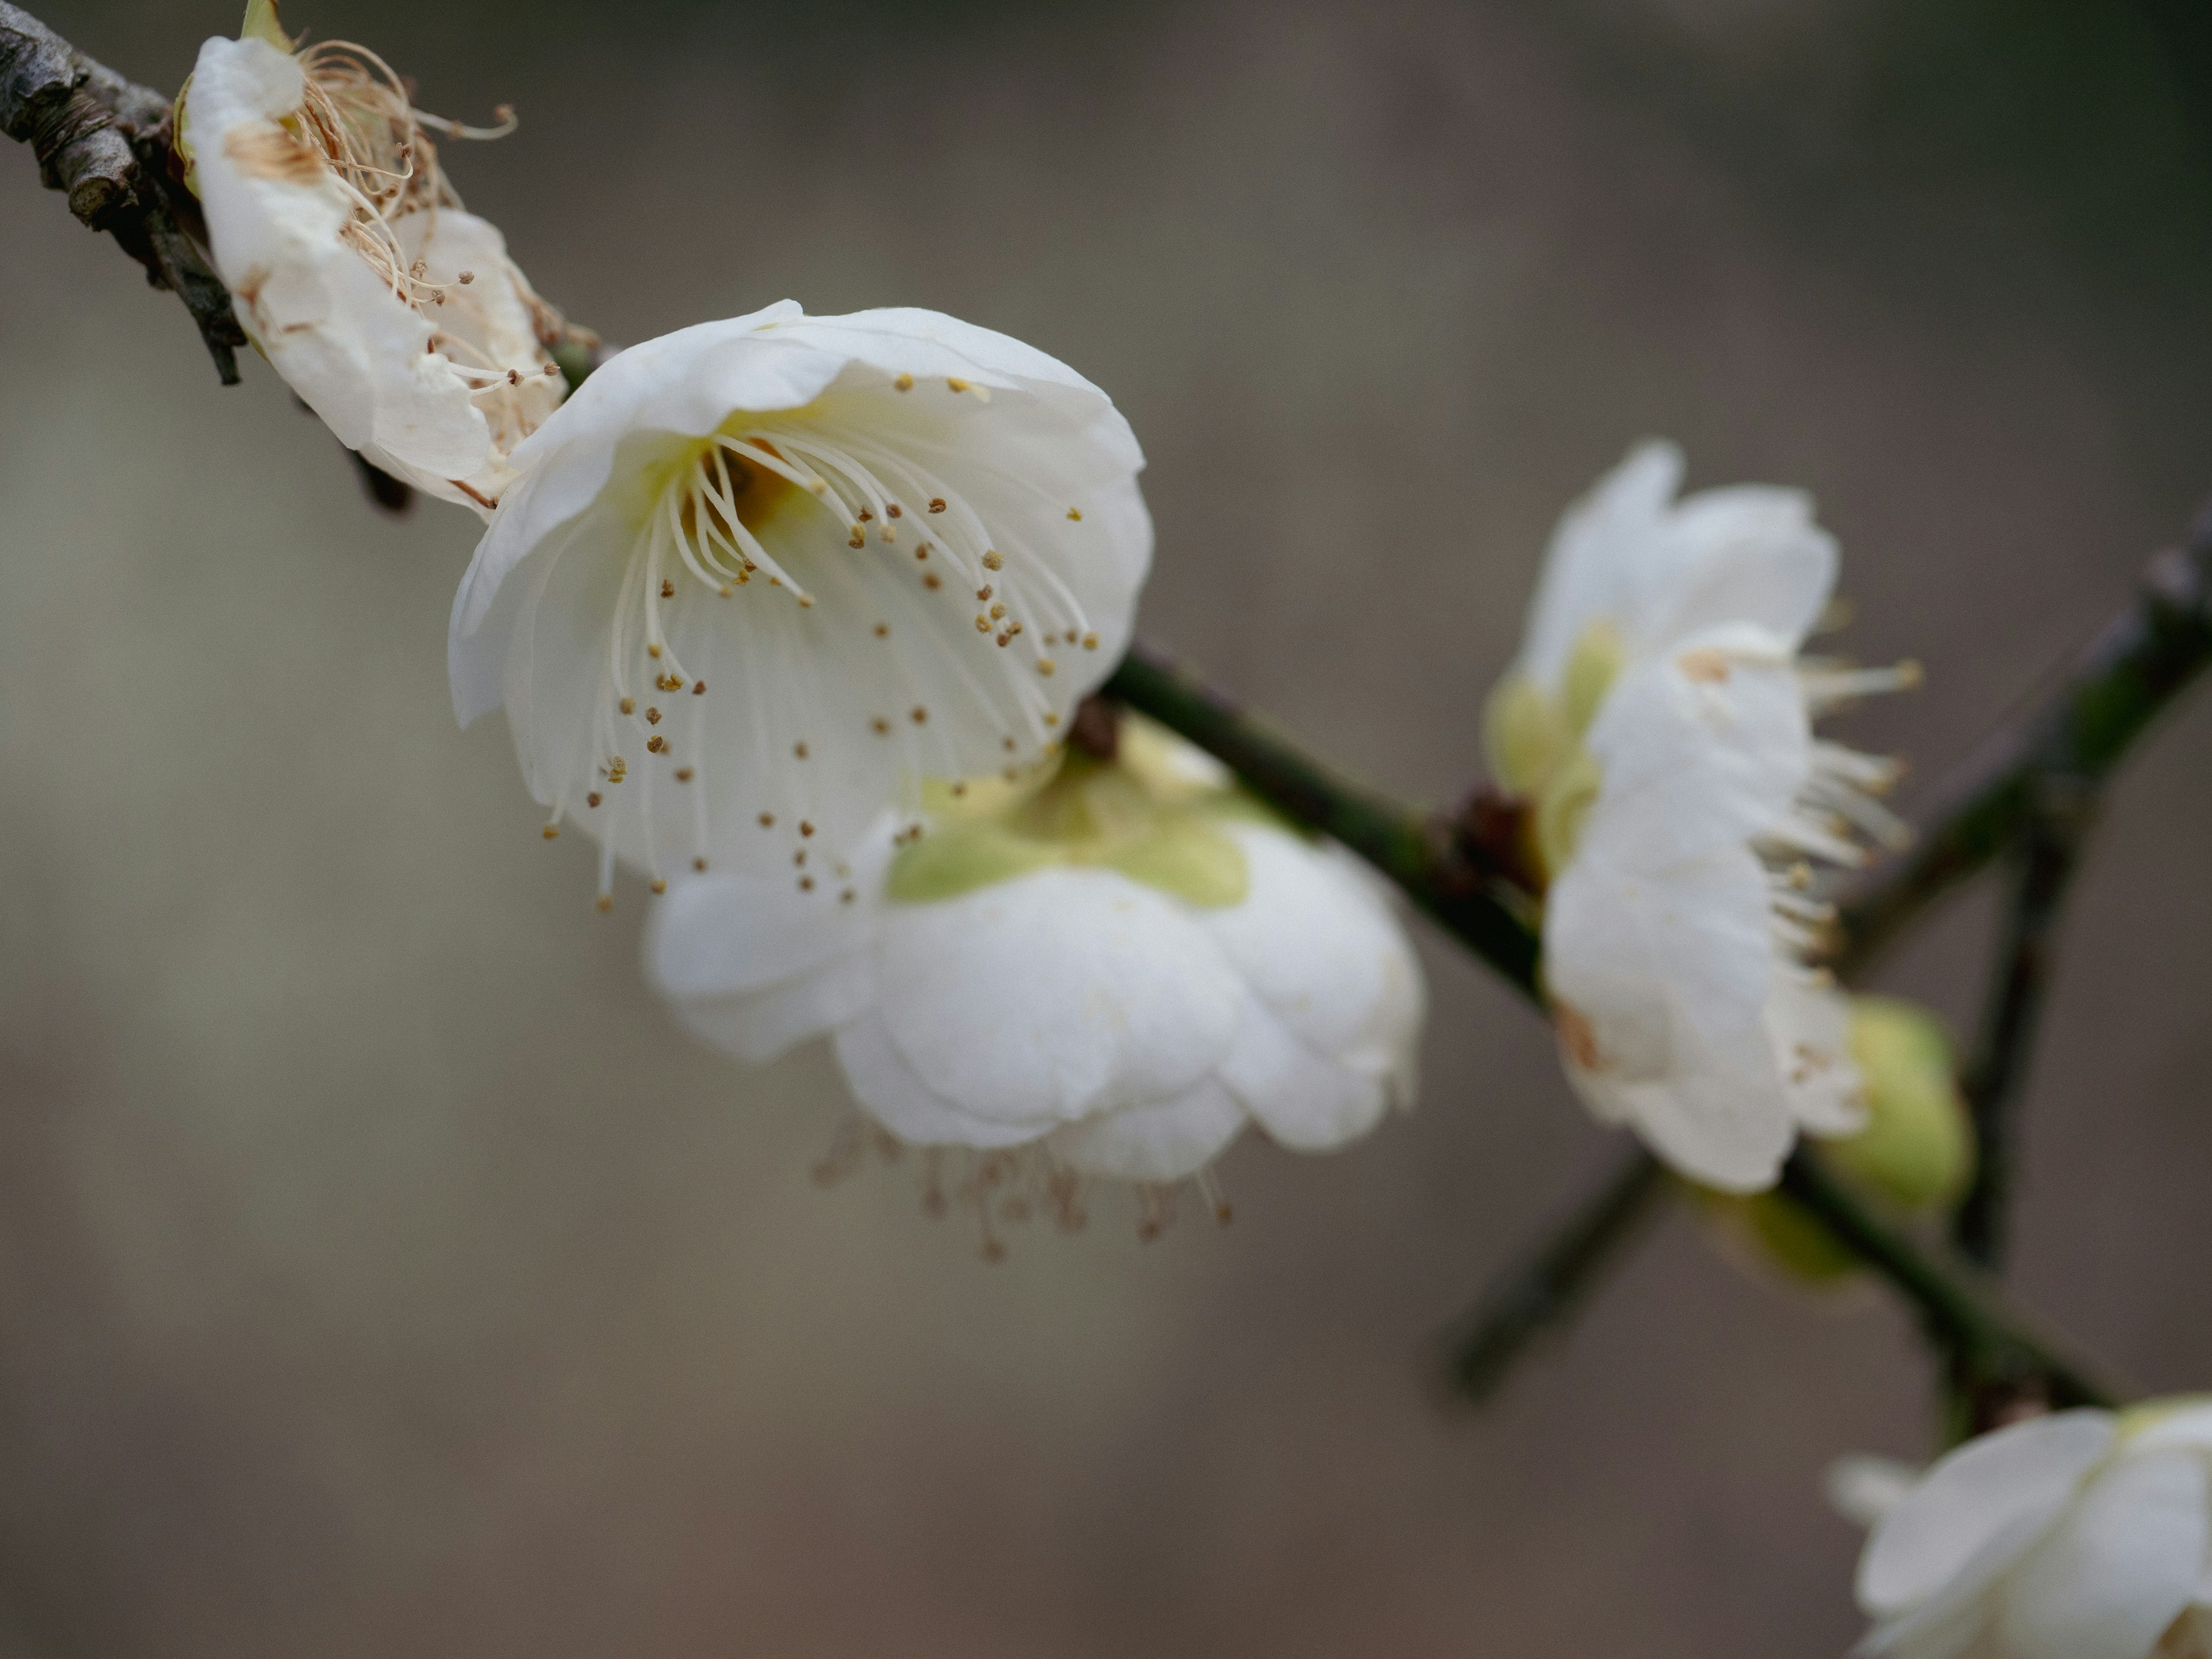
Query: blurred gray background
[[381, 1271]]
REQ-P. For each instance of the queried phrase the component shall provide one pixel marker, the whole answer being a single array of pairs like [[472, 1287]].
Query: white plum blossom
[[1119, 969], [395, 315], [762, 576], [2079, 1535], [1657, 725]]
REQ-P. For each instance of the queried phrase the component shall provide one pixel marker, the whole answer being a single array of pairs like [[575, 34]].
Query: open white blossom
[[396, 316], [1120, 970], [1658, 727], [762, 576], [2079, 1535]]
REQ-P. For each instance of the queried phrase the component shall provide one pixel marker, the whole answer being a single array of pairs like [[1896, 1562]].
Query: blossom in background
[[1119, 968], [395, 315], [762, 576], [2080, 1535], [1657, 726], [1915, 1148]]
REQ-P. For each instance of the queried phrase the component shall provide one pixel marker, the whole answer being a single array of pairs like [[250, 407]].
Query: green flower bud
[[1916, 1150]]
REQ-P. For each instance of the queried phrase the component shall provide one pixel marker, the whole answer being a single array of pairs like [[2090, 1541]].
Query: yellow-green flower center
[[1138, 815], [1535, 739]]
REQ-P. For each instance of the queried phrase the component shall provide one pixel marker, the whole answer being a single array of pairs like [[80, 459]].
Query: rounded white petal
[[1707, 745], [593, 579], [1340, 999], [753, 967], [356, 353], [2003, 1488], [897, 1096], [2118, 1568], [1750, 553], [1863, 1488], [1054, 996], [1660, 978], [1658, 570], [1601, 543], [1166, 1141]]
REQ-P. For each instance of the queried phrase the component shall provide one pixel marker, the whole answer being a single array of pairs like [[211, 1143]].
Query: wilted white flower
[[1120, 970], [2080, 1535], [395, 315], [1658, 725], [762, 576]]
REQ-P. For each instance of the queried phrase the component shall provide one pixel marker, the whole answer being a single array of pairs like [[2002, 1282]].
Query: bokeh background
[[380, 1270]]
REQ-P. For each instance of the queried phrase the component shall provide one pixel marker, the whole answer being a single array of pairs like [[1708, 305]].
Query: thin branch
[[1539, 1292], [1421, 853], [104, 141], [2048, 853], [1965, 1312], [2112, 690]]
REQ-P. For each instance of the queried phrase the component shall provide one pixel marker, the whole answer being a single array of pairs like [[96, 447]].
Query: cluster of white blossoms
[[797, 616], [1657, 728], [2083, 1535], [793, 615]]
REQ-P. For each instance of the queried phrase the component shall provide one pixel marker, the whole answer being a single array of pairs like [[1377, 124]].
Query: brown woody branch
[[104, 141]]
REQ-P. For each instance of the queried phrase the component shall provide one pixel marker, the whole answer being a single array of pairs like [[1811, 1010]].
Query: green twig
[[1539, 1292], [2113, 690], [1966, 1313], [1419, 852]]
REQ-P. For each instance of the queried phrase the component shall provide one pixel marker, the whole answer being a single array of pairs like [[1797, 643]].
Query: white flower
[[2080, 1535], [396, 316], [1120, 970], [762, 575], [1658, 725]]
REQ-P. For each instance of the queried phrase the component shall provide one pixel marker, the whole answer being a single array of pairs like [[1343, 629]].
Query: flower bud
[[1916, 1151]]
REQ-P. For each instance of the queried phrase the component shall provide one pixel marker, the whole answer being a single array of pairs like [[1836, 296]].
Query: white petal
[[1864, 1488], [1341, 991], [1990, 1489], [757, 1025], [2119, 1567], [1689, 761], [1666, 973], [484, 323], [356, 352], [884, 1082], [721, 935], [754, 966], [1810, 1027], [1052, 997], [1659, 570], [1165, 1141], [1601, 543], [1748, 554], [1306, 1100]]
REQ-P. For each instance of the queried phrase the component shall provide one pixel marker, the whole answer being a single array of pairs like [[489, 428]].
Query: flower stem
[[1965, 1312], [2115, 687], [1544, 1288]]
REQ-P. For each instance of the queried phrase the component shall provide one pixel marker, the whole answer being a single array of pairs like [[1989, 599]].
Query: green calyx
[[1534, 741], [1916, 1150], [1140, 814]]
